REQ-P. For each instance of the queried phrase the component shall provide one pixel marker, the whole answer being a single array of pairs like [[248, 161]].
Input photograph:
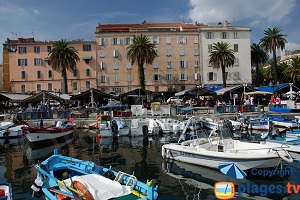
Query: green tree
[[63, 56], [272, 41], [292, 70], [141, 51], [258, 57], [222, 56]]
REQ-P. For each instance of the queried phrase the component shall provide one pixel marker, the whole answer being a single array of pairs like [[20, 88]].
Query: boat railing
[[257, 149], [131, 179]]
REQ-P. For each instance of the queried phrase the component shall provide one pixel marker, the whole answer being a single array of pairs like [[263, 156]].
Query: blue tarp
[[187, 108], [273, 88]]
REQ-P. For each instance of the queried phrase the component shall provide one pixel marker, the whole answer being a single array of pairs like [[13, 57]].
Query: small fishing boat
[[210, 151], [5, 191], [58, 132], [113, 128], [5, 125], [64, 177], [258, 124], [280, 121], [12, 132]]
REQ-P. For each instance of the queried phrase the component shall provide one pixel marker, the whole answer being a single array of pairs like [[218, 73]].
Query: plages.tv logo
[[224, 190]]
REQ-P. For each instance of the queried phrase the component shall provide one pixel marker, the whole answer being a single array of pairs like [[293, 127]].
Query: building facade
[[26, 67], [182, 60]]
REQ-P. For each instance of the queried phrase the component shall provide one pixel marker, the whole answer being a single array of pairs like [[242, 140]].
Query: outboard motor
[[145, 131], [114, 128]]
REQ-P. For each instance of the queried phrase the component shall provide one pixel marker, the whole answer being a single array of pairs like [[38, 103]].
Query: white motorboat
[[211, 151], [4, 125], [169, 125], [138, 123], [115, 128], [209, 123]]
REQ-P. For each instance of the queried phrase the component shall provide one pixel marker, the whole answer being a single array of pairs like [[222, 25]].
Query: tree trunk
[[257, 79], [224, 76], [64, 71], [141, 76], [275, 65]]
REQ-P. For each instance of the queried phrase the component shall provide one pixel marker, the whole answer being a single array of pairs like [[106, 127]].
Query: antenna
[[32, 33]]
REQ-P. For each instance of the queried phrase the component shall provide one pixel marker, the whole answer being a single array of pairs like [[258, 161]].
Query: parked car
[[112, 102], [175, 100]]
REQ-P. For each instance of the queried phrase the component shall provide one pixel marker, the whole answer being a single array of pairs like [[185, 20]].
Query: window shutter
[[185, 64], [118, 41], [207, 76], [215, 76], [184, 40]]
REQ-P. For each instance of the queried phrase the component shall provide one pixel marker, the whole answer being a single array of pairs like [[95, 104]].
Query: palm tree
[[258, 57], [292, 71], [222, 56], [142, 52], [63, 56], [273, 40]]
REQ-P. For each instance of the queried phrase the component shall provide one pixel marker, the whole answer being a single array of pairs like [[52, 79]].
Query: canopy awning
[[44, 95], [13, 97], [238, 89], [258, 92], [98, 95], [279, 88], [86, 57]]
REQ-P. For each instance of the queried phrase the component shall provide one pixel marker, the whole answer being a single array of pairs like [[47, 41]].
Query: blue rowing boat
[[62, 177]]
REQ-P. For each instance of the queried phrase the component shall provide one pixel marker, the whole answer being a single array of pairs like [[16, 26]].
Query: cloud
[[234, 10], [292, 46]]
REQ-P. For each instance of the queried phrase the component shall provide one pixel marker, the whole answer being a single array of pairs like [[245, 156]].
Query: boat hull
[[209, 159], [44, 135]]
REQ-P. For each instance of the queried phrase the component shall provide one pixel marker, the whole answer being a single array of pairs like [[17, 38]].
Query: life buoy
[[98, 138], [80, 187]]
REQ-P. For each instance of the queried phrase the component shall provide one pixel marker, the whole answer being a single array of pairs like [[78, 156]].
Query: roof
[[237, 89], [13, 97], [279, 88], [44, 95], [86, 95]]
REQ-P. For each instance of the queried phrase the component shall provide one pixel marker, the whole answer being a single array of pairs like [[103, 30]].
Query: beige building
[[26, 70]]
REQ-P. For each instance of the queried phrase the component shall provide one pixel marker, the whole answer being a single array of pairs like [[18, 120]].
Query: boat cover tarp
[[100, 187]]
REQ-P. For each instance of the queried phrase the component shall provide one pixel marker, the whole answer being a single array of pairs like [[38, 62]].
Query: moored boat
[[210, 151], [73, 178], [61, 130]]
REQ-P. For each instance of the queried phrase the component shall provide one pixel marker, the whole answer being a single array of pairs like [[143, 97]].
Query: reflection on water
[[133, 155]]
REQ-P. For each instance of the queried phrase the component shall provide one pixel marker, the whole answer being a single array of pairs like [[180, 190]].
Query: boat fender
[[288, 159], [98, 138], [36, 187], [79, 186]]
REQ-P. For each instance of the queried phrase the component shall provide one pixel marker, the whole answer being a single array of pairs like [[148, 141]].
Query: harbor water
[[176, 180]]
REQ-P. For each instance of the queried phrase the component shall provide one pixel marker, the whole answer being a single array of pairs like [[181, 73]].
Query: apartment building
[[175, 68], [239, 39], [183, 55], [26, 67]]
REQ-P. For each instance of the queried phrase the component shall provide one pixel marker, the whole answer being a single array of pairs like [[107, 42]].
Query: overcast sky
[[77, 19]]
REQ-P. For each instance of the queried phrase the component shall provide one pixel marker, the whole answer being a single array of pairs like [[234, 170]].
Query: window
[[116, 65], [49, 48], [103, 79], [128, 65], [129, 78], [211, 76], [181, 40], [196, 52], [37, 49], [196, 63], [182, 52], [227, 75], [155, 64], [168, 40], [168, 77], [38, 87], [127, 41], [50, 74], [87, 72], [61, 73], [169, 52], [116, 78], [236, 61], [74, 72], [197, 76], [235, 35], [102, 65], [182, 64], [22, 50], [38, 74], [115, 52], [169, 64], [195, 39], [183, 77], [50, 87], [22, 62], [155, 40], [102, 53], [224, 35], [235, 47], [156, 51], [210, 35], [74, 86], [156, 77], [23, 74], [62, 87], [87, 85], [102, 41], [236, 76], [37, 61], [115, 41], [23, 88], [86, 47], [209, 47]]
